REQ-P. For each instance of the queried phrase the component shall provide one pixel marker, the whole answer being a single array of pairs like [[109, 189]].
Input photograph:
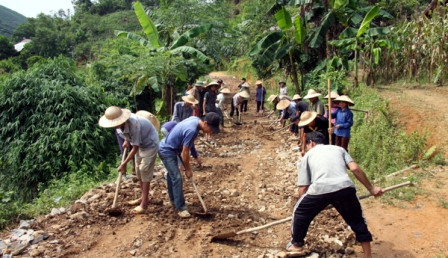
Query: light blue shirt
[[323, 169], [139, 131]]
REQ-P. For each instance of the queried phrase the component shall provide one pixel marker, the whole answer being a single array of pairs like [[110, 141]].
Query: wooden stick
[[397, 172], [359, 110], [330, 135], [283, 128]]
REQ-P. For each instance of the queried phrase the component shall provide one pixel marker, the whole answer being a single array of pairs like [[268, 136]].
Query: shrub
[[49, 126]]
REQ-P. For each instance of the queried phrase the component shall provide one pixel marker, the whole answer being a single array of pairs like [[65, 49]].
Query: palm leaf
[[319, 36], [283, 19], [367, 19], [299, 30], [284, 50], [266, 42], [188, 35], [148, 26], [189, 50], [133, 36]]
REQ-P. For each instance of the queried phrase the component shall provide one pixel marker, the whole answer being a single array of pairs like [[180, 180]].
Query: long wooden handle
[[119, 180], [199, 196], [289, 218]]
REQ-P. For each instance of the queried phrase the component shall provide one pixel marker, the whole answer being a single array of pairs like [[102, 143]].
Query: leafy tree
[[174, 69], [6, 48], [49, 126]]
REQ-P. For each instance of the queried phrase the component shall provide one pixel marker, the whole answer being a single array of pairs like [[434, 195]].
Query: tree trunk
[[355, 85], [295, 81]]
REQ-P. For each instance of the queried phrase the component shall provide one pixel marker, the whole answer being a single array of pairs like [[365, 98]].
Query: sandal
[[135, 202], [138, 210]]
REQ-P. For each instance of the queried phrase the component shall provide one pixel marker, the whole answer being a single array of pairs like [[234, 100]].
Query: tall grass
[[378, 144]]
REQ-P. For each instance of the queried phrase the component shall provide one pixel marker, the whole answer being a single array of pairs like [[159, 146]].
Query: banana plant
[[178, 48], [281, 46], [351, 39]]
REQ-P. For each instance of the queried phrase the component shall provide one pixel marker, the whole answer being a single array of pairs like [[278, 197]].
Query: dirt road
[[247, 179]]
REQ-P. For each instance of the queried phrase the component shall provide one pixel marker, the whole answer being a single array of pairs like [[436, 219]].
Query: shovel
[[114, 211], [197, 193], [232, 234], [239, 119]]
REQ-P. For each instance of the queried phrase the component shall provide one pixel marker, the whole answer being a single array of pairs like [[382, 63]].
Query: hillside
[[9, 20]]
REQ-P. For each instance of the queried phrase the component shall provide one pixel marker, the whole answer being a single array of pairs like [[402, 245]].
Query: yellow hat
[[114, 116]]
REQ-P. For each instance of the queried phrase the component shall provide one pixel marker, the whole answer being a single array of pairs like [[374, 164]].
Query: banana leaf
[[189, 50], [283, 19], [265, 42], [148, 26], [319, 36], [299, 31], [367, 19], [188, 35]]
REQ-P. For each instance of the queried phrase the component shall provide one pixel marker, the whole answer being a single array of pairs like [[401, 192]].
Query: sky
[[31, 8]]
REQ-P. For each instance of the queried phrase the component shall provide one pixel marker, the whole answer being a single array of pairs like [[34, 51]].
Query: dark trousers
[[233, 109], [260, 104], [342, 142], [244, 108], [346, 203]]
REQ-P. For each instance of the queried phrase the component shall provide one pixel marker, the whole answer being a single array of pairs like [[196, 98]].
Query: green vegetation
[[9, 20], [141, 55]]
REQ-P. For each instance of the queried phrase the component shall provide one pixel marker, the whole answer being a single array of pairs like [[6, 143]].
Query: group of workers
[[322, 175]]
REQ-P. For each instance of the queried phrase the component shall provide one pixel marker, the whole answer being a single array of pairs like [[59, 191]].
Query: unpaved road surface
[[247, 180]]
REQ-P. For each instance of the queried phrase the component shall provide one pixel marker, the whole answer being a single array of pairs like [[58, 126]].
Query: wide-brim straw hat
[[282, 104], [296, 96], [212, 83], [345, 98], [271, 98], [307, 117], [244, 94], [312, 94], [258, 82], [245, 85], [225, 90], [114, 116], [190, 99], [152, 118], [333, 95]]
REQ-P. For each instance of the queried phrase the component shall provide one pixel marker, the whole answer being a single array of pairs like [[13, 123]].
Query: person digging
[[237, 105], [179, 142], [323, 180], [141, 134], [310, 122]]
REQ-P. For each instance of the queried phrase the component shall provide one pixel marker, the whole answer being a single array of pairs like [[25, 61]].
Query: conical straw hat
[[282, 104], [345, 98], [190, 99], [225, 90], [307, 117], [152, 118], [311, 94], [244, 94], [245, 85], [271, 98], [114, 116], [296, 96], [333, 95]]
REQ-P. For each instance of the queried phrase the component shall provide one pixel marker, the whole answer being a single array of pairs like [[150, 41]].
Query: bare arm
[[302, 190], [122, 167], [186, 160], [302, 151], [361, 176]]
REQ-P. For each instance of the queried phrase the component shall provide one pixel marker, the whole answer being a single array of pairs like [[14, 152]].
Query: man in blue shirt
[[179, 142], [141, 134]]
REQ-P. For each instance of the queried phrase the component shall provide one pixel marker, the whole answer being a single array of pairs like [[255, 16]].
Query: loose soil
[[247, 180]]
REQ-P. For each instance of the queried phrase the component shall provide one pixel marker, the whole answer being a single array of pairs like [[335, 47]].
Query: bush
[[49, 127], [379, 144]]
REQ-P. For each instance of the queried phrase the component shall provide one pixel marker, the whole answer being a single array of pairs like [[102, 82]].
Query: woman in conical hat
[[344, 121]]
